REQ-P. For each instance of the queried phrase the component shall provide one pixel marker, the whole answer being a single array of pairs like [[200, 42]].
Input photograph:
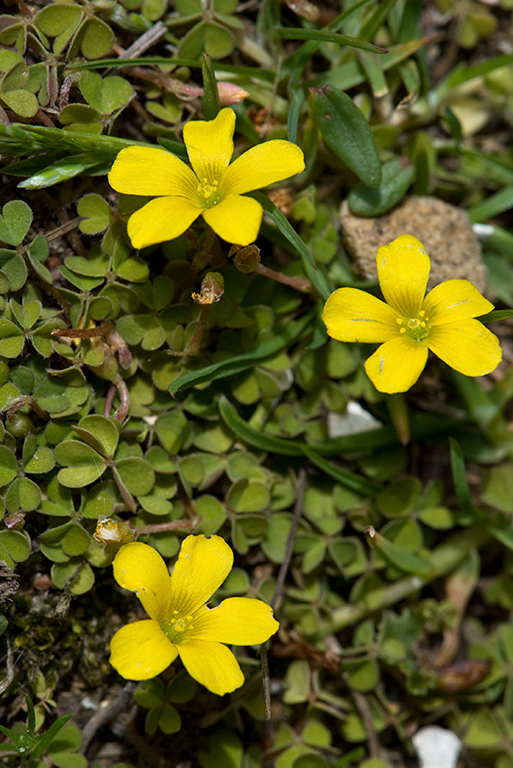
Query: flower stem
[[299, 283]]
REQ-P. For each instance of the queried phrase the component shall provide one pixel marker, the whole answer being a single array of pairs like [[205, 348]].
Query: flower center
[[176, 626], [208, 193], [416, 328]]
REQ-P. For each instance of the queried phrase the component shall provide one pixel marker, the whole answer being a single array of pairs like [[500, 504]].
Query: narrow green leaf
[[375, 21], [314, 274], [409, 20], [496, 316], [31, 716], [492, 206], [255, 437], [211, 103], [401, 558], [346, 132], [364, 200], [459, 476], [348, 479], [291, 33], [289, 334], [47, 737], [462, 74]]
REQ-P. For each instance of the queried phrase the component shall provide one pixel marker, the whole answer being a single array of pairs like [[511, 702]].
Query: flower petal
[[162, 219], [152, 171], [202, 566], [468, 347], [262, 165], [213, 665], [397, 364], [454, 300], [139, 568], [354, 315], [237, 621], [210, 145], [141, 650], [237, 219], [403, 271]]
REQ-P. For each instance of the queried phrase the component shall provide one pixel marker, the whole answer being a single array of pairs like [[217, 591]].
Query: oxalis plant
[[255, 301]]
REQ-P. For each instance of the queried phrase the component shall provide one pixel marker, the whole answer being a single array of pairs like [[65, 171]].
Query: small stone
[[444, 230]]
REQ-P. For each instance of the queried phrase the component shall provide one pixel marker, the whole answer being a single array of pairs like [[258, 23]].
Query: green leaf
[[84, 465], [291, 332], [368, 201], [95, 39], [137, 475], [15, 222], [16, 544], [107, 94], [291, 33], [400, 557], [347, 133], [46, 739], [100, 432], [97, 214], [459, 476], [211, 103], [8, 465], [24, 103], [347, 479], [492, 205]]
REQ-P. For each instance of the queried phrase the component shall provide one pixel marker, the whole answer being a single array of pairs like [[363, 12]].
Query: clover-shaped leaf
[[82, 464], [97, 216], [22, 494], [107, 94], [94, 39], [59, 21], [14, 547], [8, 465], [15, 222], [79, 578], [100, 432], [81, 118], [13, 92], [136, 475], [12, 339], [13, 268]]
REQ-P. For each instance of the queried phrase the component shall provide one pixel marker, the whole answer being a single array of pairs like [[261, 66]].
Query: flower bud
[[247, 259], [230, 93], [212, 288]]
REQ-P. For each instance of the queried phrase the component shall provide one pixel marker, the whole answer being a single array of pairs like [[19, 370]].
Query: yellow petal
[[237, 219], [151, 171], [210, 145], [212, 665], [262, 165], [161, 219], [142, 570], [468, 347], [202, 566], [237, 621], [403, 271], [140, 651], [397, 364], [354, 315], [455, 300]]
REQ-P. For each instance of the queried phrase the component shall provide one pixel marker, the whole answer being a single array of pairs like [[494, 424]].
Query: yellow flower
[[214, 188], [410, 323], [180, 623]]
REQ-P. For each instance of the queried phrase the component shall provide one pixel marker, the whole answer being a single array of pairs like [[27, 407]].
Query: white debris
[[356, 419], [436, 747]]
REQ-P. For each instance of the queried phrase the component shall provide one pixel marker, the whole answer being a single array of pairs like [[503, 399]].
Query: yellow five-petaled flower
[[180, 623], [411, 323], [214, 188]]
